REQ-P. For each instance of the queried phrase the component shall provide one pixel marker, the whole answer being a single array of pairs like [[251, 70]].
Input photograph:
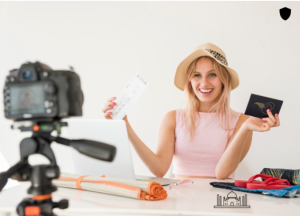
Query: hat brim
[[181, 72]]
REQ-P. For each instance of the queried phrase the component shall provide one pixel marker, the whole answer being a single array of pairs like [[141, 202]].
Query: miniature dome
[[232, 195]]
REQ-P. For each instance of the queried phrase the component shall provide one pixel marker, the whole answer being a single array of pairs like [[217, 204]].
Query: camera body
[[36, 92]]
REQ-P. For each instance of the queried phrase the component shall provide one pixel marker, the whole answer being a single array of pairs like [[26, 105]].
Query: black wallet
[[258, 106]]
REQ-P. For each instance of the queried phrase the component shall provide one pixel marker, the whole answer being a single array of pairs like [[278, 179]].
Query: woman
[[207, 139]]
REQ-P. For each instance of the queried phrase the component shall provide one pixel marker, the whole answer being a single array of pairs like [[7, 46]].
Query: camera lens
[[26, 74]]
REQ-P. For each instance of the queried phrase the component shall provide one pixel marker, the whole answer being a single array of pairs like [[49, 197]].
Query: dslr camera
[[36, 92]]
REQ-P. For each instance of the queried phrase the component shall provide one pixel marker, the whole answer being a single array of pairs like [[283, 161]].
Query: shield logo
[[285, 13]]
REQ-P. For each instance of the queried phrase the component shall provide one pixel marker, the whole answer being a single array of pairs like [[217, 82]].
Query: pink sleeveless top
[[200, 156]]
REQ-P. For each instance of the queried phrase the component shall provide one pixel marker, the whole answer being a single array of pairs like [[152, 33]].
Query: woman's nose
[[204, 81]]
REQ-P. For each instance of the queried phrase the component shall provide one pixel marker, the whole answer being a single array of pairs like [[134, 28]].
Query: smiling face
[[206, 84]]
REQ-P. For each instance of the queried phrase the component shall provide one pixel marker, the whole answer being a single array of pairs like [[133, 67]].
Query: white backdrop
[[108, 42]]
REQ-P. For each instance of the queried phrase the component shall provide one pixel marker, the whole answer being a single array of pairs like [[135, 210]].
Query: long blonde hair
[[222, 107]]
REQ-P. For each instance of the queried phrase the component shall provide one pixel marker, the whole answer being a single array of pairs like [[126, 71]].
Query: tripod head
[[41, 176]]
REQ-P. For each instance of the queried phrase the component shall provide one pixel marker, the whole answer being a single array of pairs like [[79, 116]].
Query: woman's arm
[[236, 150], [240, 142], [160, 162]]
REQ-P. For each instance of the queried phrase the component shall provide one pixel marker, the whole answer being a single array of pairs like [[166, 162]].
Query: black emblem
[[285, 13]]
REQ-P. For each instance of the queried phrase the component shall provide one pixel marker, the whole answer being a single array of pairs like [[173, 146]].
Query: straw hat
[[207, 49]]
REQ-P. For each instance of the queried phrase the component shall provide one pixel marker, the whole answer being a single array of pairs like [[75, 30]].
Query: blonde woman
[[206, 139]]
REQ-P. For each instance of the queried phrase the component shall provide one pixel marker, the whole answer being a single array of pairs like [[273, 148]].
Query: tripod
[[41, 176]]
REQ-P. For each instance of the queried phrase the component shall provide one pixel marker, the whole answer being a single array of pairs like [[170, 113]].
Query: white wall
[[108, 42]]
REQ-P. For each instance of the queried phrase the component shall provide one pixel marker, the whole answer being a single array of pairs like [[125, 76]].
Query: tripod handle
[[4, 176], [3, 180], [94, 149]]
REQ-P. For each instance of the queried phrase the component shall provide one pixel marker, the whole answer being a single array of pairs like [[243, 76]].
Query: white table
[[196, 199]]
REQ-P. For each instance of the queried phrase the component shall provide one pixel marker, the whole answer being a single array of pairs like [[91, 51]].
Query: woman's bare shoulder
[[170, 118], [172, 113]]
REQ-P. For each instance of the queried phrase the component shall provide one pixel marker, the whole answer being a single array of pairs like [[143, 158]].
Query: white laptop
[[111, 132]]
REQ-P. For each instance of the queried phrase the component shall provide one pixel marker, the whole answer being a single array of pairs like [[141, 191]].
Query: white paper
[[129, 96]]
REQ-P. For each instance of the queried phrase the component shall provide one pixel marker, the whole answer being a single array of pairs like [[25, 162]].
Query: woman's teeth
[[206, 91]]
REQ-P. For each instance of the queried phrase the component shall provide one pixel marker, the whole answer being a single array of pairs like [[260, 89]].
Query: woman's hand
[[109, 105], [264, 124]]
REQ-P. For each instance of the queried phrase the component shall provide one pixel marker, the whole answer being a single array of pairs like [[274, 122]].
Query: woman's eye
[[211, 75]]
